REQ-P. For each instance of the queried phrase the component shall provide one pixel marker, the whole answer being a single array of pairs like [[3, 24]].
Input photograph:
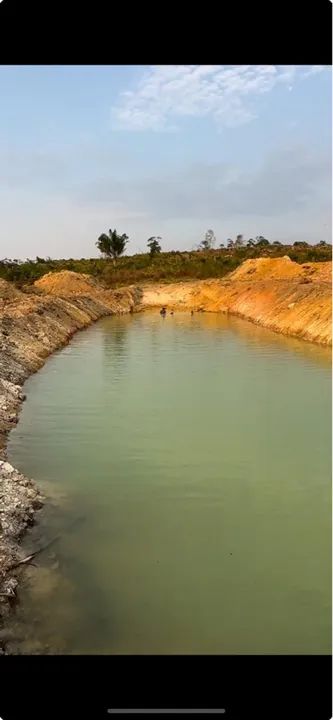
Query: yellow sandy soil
[[276, 293], [68, 283]]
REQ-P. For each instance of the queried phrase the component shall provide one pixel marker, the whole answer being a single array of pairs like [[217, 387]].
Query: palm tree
[[112, 245]]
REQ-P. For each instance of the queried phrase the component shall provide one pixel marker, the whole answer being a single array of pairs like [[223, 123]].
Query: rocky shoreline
[[19, 501]]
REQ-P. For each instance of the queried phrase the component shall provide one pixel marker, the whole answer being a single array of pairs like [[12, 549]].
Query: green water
[[197, 451]]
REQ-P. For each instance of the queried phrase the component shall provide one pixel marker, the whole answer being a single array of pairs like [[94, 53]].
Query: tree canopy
[[154, 245], [112, 245], [261, 241]]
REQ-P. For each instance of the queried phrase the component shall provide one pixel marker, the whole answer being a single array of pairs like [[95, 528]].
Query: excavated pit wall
[[32, 326], [277, 294]]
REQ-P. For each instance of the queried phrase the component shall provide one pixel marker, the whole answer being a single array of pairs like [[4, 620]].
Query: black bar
[[88, 686]]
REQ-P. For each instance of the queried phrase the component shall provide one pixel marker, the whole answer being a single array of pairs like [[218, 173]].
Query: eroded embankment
[[276, 293], [32, 326]]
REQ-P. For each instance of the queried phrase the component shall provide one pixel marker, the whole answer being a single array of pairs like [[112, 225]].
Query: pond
[[190, 459]]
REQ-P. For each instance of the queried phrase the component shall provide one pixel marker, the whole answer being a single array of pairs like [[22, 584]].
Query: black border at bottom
[[86, 686]]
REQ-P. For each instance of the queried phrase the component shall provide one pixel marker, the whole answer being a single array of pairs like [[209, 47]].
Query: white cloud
[[165, 93]]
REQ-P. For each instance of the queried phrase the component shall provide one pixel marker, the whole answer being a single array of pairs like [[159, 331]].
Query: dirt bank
[[32, 326], [276, 293]]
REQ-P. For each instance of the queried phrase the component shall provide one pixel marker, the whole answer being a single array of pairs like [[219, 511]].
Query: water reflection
[[257, 335], [253, 334], [115, 348]]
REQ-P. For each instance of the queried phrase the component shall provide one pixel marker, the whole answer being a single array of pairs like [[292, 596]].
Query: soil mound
[[67, 283], [281, 269]]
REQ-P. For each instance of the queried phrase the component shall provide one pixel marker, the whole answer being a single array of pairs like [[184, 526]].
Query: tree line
[[113, 245], [204, 261]]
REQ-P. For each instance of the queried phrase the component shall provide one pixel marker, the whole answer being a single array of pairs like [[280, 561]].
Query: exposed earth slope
[[275, 293]]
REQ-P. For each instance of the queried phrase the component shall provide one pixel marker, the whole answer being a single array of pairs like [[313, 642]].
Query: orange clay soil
[[276, 293]]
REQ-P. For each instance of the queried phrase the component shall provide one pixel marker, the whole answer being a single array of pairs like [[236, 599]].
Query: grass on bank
[[165, 266]]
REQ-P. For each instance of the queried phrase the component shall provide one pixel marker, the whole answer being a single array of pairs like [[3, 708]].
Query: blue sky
[[162, 150]]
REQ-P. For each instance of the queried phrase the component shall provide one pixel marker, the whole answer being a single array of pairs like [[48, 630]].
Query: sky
[[168, 150]]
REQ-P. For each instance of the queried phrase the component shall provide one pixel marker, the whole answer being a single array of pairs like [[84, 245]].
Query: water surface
[[196, 452]]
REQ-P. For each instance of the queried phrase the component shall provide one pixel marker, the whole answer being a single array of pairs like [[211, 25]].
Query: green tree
[[250, 243], [154, 245], [261, 241], [112, 245], [230, 244]]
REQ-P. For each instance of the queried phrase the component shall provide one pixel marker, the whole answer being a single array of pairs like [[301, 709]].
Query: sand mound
[[281, 269], [67, 283], [267, 268]]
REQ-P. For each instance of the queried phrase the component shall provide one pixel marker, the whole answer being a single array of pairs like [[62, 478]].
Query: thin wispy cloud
[[165, 94]]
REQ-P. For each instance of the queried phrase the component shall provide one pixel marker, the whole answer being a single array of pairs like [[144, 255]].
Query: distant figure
[[163, 311], [191, 312]]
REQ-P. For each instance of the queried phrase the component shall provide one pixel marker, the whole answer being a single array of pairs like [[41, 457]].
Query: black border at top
[[40, 32]]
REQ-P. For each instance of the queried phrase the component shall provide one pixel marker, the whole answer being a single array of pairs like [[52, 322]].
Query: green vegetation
[[112, 245], [163, 266], [154, 246]]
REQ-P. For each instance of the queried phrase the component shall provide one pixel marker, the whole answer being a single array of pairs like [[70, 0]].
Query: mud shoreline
[[35, 324]]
